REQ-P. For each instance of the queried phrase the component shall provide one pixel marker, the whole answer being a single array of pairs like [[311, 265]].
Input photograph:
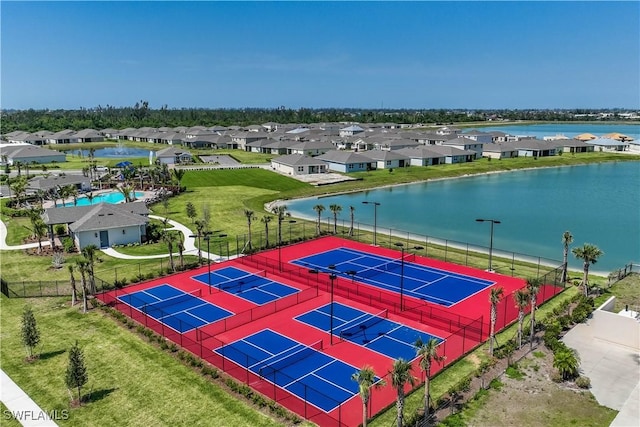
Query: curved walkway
[[5, 247]]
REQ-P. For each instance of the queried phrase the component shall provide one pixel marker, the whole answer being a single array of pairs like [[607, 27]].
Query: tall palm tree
[[319, 209], [200, 226], [83, 267], [249, 214], [178, 174], [40, 230], [533, 287], [266, 219], [19, 188], [281, 213], [521, 298], [366, 378], [352, 215], [400, 377], [589, 254], [567, 239], [335, 209], [72, 283], [180, 243], [89, 253], [428, 353], [494, 299]]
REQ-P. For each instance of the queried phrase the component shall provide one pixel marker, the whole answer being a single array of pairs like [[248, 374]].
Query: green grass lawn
[[132, 383], [626, 291]]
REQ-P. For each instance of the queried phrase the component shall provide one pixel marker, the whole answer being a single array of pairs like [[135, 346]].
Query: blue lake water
[[569, 130], [598, 204]]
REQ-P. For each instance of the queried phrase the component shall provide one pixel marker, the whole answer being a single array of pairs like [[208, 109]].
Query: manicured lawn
[[626, 291], [131, 381], [256, 178]]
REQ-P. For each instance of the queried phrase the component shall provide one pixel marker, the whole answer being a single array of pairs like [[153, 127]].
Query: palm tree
[[335, 209], [400, 376], [180, 243], [169, 238], [178, 174], [428, 353], [266, 219], [40, 231], [319, 209], [567, 239], [90, 197], [533, 287], [589, 254], [494, 299], [249, 214], [19, 187], [89, 253], [567, 362], [366, 378], [521, 297], [72, 191], [281, 213], [72, 282], [352, 214], [200, 226], [83, 267]]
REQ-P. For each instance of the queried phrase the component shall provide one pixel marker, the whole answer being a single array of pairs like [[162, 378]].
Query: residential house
[[499, 151], [311, 148], [609, 144], [422, 156], [66, 136], [351, 130], [346, 161], [536, 148], [30, 154], [464, 143], [53, 182], [173, 156], [384, 159], [103, 225], [89, 135], [575, 146], [298, 164]]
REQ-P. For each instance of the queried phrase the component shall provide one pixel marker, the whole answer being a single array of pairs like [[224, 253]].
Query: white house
[[346, 161], [298, 164], [463, 143], [385, 159]]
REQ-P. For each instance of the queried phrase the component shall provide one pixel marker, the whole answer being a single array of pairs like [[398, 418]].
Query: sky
[[370, 55]]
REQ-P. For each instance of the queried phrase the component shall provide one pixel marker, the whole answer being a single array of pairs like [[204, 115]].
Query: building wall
[[117, 236], [615, 328]]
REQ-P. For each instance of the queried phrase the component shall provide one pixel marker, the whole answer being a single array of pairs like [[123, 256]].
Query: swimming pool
[[111, 197]]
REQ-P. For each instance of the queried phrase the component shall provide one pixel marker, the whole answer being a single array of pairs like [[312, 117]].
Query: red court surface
[[463, 325]]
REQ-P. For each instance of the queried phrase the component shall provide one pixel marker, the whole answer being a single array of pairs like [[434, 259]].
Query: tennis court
[[304, 371], [254, 287], [373, 331], [419, 281], [177, 309]]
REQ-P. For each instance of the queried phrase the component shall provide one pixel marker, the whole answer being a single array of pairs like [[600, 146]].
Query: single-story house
[[66, 136], [609, 144], [464, 143], [19, 137], [173, 156], [89, 135], [280, 146], [536, 148], [351, 130], [259, 146], [575, 146], [476, 135], [499, 151], [29, 154], [346, 161], [103, 225], [384, 159], [298, 164], [81, 182], [311, 148], [454, 154], [422, 156]]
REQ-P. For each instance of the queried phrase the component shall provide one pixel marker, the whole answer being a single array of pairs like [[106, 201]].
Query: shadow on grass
[[51, 354], [96, 395]]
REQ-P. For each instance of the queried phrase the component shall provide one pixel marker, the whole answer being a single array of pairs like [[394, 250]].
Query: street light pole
[[375, 219], [492, 221], [332, 277], [208, 239], [401, 246]]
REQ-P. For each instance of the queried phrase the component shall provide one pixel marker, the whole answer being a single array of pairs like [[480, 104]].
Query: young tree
[[72, 283], [352, 215], [428, 353], [180, 245], [589, 254], [521, 297], [89, 253], [400, 376], [319, 209], [366, 378], [30, 332], [76, 375], [266, 219], [494, 299], [335, 209], [248, 213], [191, 211], [533, 287], [567, 239], [83, 266], [169, 238]]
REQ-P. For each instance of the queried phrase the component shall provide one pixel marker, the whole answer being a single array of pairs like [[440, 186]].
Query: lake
[[569, 130], [597, 203]]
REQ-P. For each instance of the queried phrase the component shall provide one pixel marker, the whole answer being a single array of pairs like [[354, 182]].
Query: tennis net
[[238, 282], [360, 324], [393, 266], [296, 356], [158, 306]]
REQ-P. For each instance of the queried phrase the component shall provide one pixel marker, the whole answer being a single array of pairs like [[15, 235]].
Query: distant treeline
[[140, 115]]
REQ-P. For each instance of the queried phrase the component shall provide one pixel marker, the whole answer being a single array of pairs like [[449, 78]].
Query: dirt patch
[[526, 396]]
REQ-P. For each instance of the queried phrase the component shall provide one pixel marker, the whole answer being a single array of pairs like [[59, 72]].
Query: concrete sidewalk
[[22, 408]]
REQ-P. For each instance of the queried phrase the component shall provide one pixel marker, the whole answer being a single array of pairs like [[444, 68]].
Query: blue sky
[[321, 54]]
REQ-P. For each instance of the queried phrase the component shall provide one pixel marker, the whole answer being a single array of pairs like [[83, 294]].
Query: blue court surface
[[430, 284], [175, 308], [372, 331], [250, 286], [313, 376]]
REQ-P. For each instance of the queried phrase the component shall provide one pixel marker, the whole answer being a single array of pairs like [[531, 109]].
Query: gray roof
[[312, 145], [609, 142], [384, 155], [343, 157], [42, 183], [298, 160], [26, 151], [100, 216], [420, 152], [171, 152], [461, 140]]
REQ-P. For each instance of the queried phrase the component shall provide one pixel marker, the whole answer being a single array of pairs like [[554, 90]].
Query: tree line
[[141, 115]]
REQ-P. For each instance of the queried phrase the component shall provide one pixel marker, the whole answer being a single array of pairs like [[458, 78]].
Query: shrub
[[556, 377], [583, 382], [68, 245], [60, 230]]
